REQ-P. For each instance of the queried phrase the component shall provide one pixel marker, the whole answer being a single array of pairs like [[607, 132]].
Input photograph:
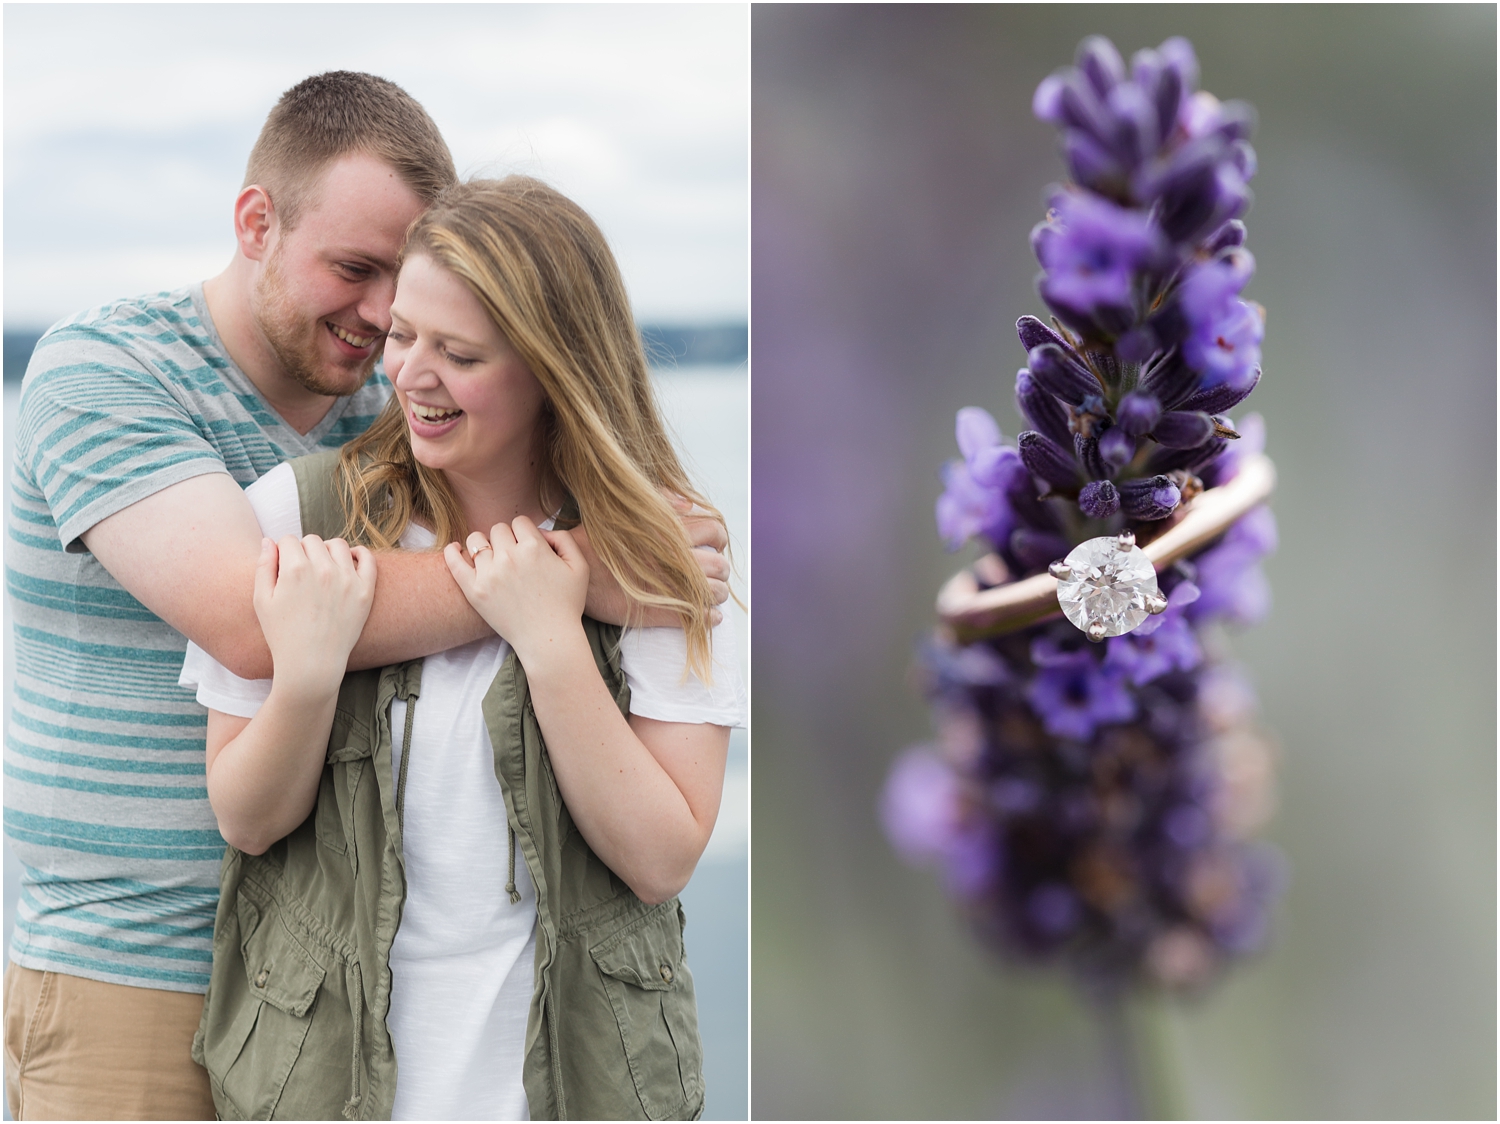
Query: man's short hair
[[331, 115]]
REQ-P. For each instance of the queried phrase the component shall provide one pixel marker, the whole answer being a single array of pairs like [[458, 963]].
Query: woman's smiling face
[[472, 404]]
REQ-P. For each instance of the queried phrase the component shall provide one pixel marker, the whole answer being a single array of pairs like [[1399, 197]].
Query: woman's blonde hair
[[543, 271]]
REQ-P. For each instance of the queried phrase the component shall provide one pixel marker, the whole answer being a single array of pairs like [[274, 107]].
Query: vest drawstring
[[510, 884], [411, 709], [355, 984]]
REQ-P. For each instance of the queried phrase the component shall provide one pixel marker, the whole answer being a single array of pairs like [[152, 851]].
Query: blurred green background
[[896, 173]]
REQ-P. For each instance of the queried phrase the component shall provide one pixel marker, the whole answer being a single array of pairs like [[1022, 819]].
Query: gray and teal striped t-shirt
[[105, 799]]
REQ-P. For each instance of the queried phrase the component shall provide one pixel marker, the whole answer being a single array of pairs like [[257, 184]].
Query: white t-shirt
[[462, 961]]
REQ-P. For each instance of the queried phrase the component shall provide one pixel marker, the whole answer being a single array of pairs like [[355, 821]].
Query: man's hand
[[607, 602]]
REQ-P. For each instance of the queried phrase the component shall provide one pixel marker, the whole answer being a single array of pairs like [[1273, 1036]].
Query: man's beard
[[295, 340]]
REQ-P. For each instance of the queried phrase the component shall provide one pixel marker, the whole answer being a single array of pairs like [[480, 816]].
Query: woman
[[373, 907]]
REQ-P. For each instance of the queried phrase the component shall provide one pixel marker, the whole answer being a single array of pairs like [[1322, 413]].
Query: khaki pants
[[78, 1049]]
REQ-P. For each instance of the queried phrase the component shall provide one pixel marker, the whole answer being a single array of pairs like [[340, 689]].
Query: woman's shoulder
[[654, 661]]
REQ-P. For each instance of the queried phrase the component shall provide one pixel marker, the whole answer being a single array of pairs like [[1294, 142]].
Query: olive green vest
[[294, 1020]]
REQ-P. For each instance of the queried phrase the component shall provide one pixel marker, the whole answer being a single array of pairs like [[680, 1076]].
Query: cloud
[[128, 127]]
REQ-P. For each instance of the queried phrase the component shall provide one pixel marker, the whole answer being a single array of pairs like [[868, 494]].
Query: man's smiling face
[[323, 299]]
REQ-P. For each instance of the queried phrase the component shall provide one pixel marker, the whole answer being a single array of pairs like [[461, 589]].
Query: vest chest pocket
[[646, 977]]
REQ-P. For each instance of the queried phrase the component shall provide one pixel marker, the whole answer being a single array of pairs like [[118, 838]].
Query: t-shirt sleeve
[[653, 660], [274, 499], [99, 428]]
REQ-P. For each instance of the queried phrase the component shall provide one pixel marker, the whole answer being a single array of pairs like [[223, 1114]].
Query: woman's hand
[[529, 585], [312, 598]]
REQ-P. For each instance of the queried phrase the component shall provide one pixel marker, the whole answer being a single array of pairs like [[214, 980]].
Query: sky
[[127, 127]]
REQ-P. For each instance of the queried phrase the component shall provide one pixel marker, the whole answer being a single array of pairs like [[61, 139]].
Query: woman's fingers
[[476, 543], [363, 560], [563, 543], [338, 550], [460, 567], [265, 574]]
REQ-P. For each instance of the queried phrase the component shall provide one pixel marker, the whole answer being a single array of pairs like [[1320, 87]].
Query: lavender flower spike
[[1074, 809]]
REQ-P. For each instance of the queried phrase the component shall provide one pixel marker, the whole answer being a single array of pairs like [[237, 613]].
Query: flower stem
[[1142, 1058]]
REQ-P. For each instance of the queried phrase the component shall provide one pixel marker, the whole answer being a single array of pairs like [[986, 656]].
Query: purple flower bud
[[1137, 135], [1101, 64], [1138, 413], [1188, 460], [1182, 429], [1169, 380], [1048, 459], [1029, 510], [1046, 103], [919, 806], [1224, 333], [1042, 410], [1117, 448], [967, 509], [1034, 549], [1181, 594], [997, 467], [1192, 204], [1087, 450], [1244, 159], [1163, 85], [1033, 333], [976, 431], [1225, 396], [1099, 499], [1143, 657], [1226, 347], [1074, 701], [1091, 164], [1082, 108], [1043, 234], [1199, 115], [1231, 234], [1178, 55], [1062, 376], [1236, 120], [1154, 497], [1092, 263]]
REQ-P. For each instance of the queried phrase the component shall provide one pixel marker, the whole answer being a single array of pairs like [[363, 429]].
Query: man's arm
[[189, 552]]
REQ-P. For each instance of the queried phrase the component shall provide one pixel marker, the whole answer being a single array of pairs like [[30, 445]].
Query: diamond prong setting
[[1107, 586]]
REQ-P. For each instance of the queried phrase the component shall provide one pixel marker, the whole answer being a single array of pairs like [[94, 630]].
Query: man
[[140, 423]]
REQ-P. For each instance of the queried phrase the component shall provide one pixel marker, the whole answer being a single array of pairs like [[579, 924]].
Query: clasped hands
[[313, 597]]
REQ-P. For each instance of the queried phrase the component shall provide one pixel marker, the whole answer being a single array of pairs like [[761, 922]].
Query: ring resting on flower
[[973, 611]]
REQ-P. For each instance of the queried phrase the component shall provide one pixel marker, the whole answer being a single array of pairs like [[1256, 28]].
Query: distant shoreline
[[721, 344]]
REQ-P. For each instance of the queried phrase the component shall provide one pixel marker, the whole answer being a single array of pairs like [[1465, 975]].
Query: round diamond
[[1109, 584]]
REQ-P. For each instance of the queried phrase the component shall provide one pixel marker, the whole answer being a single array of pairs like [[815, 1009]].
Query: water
[[708, 411]]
